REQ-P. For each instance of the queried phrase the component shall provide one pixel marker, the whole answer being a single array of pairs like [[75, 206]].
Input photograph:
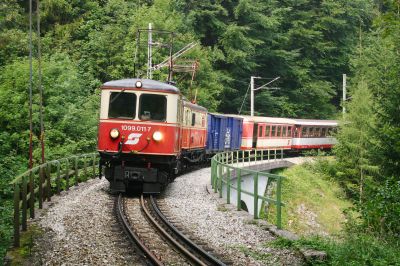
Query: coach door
[[255, 135]]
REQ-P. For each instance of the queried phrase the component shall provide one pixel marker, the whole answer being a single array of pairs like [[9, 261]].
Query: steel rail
[[204, 254], [181, 248], [132, 235]]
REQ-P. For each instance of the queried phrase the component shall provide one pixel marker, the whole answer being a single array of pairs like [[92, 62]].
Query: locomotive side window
[[122, 105], [153, 107], [193, 119]]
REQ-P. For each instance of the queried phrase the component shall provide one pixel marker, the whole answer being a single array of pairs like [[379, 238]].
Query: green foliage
[[368, 151], [314, 202], [350, 249]]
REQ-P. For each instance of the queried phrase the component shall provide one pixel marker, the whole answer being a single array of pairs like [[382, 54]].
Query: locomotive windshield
[[122, 105], [153, 107]]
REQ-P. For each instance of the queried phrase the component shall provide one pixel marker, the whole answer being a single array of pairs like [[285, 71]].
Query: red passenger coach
[[314, 134], [146, 129], [266, 133]]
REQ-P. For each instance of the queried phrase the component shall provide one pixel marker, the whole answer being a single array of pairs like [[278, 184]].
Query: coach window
[[278, 131], [267, 131], [289, 131], [260, 131], [311, 132], [153, 107], [284, 131], [323, 132], [122, 105], [304, 132], [317, 132], [273, 130]]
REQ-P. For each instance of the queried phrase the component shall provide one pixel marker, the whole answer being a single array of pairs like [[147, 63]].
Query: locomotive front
[[139, 132]]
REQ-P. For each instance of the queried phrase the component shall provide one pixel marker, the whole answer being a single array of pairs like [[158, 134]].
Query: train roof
[[195, 106], [146, 84], [293, 121], [314, 122], [225, 115], [265, 119]]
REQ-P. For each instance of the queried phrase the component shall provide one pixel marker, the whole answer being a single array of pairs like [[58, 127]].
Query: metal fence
[[40, 183], [228, 168]]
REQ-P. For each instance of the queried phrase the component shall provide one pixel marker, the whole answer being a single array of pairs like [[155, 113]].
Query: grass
[[314, 202], [351, 248], [257, 255]]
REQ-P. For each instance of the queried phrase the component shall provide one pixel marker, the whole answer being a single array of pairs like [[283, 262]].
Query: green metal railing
[[228, 166], [40, 183]]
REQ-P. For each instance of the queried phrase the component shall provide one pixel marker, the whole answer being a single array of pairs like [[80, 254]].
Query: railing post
[[239, 188], [220, 181], [48, 177], [16, 215], [58, 178], [219, 177], [85, 168], [243, 152], [281, 154], [76, 171], [212, 172], [275, 155], [32, 195], [67, 174], [24, 203], [279, 203], [41, 173], [268, 154], [228, 186], [256, 196]]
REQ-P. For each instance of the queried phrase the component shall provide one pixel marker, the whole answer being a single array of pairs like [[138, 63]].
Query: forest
[[309, 44]]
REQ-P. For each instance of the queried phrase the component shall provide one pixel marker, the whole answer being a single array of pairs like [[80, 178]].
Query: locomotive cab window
[[153, 107], [122, 105]]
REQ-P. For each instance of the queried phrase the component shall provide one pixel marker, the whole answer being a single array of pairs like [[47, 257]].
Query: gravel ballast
[[229, 232], [81, 229]]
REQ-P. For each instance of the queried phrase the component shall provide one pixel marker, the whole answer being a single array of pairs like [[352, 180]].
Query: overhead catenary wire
[[244, 99]]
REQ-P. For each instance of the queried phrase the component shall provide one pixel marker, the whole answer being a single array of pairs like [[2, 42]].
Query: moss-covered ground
[[314, 202]]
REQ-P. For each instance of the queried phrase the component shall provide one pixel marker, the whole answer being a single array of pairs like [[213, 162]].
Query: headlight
[[114, 133], [138, 84], [157, 136]]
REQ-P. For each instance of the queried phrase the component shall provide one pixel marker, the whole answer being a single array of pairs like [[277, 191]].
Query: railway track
[[158, 241]]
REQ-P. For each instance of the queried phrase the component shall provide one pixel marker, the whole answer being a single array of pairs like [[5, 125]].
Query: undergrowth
[[351, 248]]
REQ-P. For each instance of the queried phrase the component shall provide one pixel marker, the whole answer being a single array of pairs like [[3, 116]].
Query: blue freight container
[[224, 132], [234, 131]]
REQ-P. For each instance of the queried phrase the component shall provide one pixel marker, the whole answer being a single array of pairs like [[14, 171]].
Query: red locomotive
[[146, 131]]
